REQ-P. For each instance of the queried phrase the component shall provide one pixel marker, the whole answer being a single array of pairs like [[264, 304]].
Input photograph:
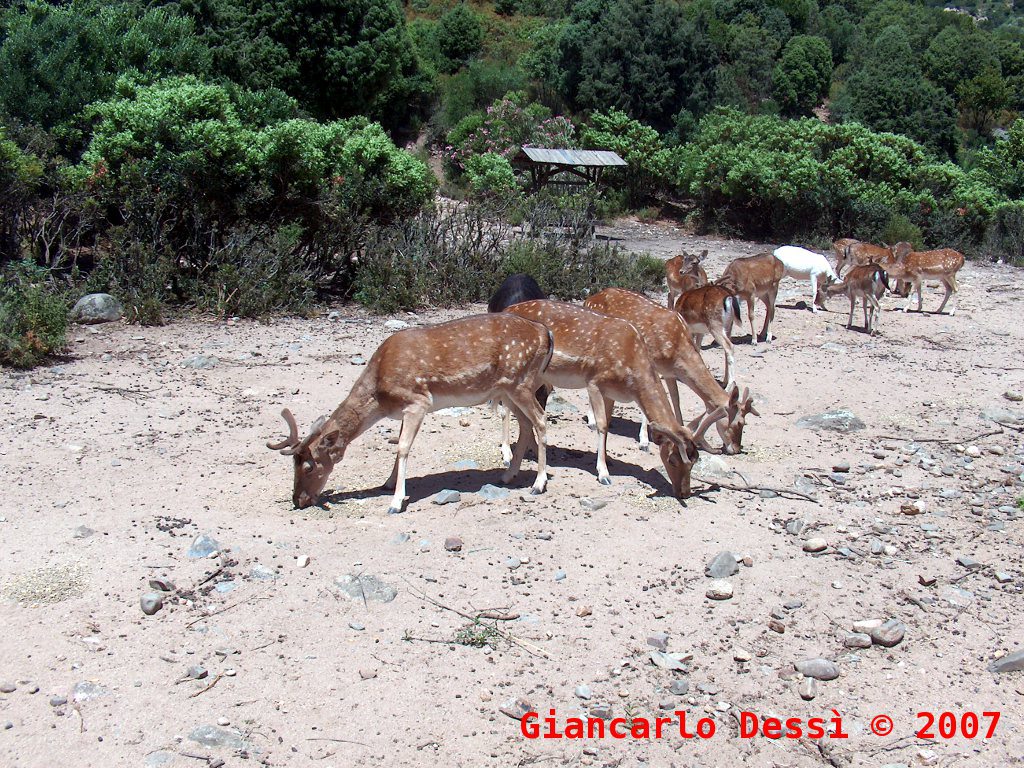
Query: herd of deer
[[619, 346]]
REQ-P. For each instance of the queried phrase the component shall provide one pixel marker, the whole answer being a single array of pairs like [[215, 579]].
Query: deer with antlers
[[608, 358], [676, 359], [683, 273], [755, 277], [917, 266], [418, 370], [867, 282]]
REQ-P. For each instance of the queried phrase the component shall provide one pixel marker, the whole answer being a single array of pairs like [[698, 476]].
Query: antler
[[293, 433], [705, 423]]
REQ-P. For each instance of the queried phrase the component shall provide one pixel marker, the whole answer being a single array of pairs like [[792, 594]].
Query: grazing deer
[[513, 290], [802, 264], [917, 266], [682, 273], [711, 309], [419, 370], [867, 282], [676, 359], [840, 246], [607, 357], [857, 253], [755, 277]]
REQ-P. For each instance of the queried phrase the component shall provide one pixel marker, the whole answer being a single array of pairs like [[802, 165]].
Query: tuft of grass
[[477, 635]]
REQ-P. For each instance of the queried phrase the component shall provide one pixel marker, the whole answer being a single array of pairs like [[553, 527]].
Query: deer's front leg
[[411, 422], [598, 405]]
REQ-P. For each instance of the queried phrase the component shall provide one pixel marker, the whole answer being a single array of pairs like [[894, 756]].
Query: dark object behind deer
[[514, 290]]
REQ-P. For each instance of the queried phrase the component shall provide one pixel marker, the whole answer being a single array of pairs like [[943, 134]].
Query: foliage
[[644, 57], [802, 76], [491, 175], [509, 123], [764, 175], [639, 145], [58, 58], [459, 36], [1005, 233], [33, 315]]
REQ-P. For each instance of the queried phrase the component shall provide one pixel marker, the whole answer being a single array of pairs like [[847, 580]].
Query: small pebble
[[815, 545]]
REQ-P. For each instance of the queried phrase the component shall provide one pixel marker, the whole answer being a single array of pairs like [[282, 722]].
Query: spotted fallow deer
[[683, 273], [755, 277], [608, 358], [840, 246], [415, 371], [676, 359], [917, 266], [711, 309], [867, 282], [856, 253]]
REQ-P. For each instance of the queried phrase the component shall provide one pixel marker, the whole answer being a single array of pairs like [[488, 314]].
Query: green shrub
[[901, 229], [459, 36], [33, 316], [491, 175], [1004, 237]]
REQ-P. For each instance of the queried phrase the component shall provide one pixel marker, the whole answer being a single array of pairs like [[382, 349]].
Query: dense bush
[[33, 315], [639, 145], [768, 177]]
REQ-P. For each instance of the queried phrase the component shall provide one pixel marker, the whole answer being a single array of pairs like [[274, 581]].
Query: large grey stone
[[203, 546], [839, 420], [1013, 662], [819, 669], [366, 587], [212, 736], [722, 565], [96, 308]]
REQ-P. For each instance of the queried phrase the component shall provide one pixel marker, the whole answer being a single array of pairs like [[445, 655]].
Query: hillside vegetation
[[243, 156]]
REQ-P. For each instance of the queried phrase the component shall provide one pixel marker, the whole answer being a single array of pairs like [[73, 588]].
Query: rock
[[973, 451], [719, 589], [197, 672], [888, 634], [1013, 662], [841, 466], [212, 736], [516, 708], [365, 587], [808, 689], [658, 641], [667, 704], [602, 711], [559, 406], [356, 626], [96, 308], [820, 669], [583, 692], [395, 325], [840, 420], [792, 605], [777, 626], [400, 538], [1013, 396], [672, 661], [8, 687], [968, 562], [151, 602], [816, 544], [466, 464], [367, 674], [453, 544], [493, 492], [82, 532], [87, 691], [559, 575], [856, 640], [865, 626], [261, 572], [446, 496], [203, 546], [200, 362], [722, 565], [768, 493], [1004, 415], [741, 655], [161, 585], [711, 465], [1003, 577], [357, 360], [512, 563], [592, 505], [795, 527], [679, 687]]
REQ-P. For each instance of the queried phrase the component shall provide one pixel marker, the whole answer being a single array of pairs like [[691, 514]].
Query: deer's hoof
[[604, 480]]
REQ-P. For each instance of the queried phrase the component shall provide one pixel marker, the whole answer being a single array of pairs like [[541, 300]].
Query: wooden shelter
[[543, 165]]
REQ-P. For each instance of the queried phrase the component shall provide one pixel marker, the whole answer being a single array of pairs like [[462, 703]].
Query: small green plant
[[477, 635], [33, 316], [1020, 502]]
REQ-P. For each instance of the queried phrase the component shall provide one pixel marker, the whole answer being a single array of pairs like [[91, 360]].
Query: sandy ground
[[116, 458]]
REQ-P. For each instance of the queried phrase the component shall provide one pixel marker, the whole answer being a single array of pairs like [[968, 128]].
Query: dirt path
[[115, 460]]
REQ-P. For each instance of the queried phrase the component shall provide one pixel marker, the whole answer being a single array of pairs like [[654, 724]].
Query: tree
[[645, 57], [746, 79], [801, 78], [459, 36], [982, 98], [888, 92]]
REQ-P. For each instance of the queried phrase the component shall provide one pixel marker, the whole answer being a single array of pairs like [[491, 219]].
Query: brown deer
[[867, 282], [607, 357], [676, 359], [839, 246], [857, 253], [419, 370], [755, 277], [682, 273], [917, 266], [711, 309]]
